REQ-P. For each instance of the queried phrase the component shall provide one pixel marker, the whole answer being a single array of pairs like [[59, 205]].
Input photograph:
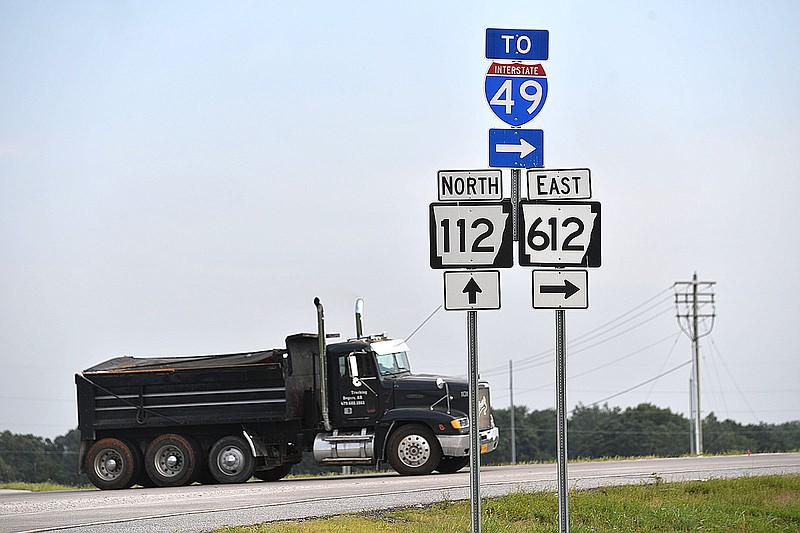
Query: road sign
[[559, 234], [520, 45], [472, 290], [457, 185], [569, 183], [560, 289], [471, 235], [515, 92], [516, 148]]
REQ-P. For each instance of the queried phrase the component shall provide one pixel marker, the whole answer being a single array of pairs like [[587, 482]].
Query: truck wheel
[[171, 461], [450, 465], [230, 460], [273, 474], [413, 450], [112, 464]]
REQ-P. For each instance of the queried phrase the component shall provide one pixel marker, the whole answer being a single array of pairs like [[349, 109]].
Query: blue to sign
[[520, 45], [516, 148], [515, 92]]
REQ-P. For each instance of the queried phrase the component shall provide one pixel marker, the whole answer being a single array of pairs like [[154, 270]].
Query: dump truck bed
[[127, 392]]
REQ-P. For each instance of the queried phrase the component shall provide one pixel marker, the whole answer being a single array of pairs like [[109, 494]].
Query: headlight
[[460, 423]]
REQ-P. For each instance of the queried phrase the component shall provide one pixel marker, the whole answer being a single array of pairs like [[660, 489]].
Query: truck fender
[[438, 421]]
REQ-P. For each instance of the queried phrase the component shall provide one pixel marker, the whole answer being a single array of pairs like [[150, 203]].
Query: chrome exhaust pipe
[[359, 315]]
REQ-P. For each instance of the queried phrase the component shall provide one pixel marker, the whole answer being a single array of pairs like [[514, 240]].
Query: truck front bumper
[[458, 445]]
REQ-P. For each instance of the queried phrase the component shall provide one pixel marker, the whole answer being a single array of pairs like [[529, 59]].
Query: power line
[[408, 337], [623, 315], [663, 366], [670, 371], [630, 354], [725, 366], [532, 361], [543, 358]]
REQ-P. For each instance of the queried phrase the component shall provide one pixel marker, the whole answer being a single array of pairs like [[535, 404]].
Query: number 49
[[504, 95]]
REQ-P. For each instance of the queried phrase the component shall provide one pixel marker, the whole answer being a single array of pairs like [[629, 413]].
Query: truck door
[[355, 400]]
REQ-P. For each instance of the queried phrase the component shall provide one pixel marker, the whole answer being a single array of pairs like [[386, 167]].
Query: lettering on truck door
[[356, 398]]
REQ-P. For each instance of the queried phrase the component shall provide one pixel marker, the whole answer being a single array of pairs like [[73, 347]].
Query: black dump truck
[[225, 418]]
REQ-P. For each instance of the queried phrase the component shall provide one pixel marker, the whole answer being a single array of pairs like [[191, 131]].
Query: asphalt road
[[205, 507]]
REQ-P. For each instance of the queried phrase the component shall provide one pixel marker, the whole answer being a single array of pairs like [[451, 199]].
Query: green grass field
[[38, 487], [751, 504]]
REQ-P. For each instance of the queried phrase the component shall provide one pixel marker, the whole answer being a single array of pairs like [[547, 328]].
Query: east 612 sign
[[559, 234]]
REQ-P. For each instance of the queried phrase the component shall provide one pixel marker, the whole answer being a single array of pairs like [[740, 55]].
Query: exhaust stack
[[359, 315], [323, 389]]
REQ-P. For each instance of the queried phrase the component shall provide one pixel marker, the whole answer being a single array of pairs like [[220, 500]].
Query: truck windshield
[[393, 363]]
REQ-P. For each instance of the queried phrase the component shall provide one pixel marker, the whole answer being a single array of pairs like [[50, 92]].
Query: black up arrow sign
[[471, 290], [568, 289]]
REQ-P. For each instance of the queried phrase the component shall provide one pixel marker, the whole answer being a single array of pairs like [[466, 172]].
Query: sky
[[186, 177]]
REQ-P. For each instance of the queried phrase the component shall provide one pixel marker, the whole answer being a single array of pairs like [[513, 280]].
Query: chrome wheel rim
[[231, 460], [109, 464], [169, 461], [414, 451]]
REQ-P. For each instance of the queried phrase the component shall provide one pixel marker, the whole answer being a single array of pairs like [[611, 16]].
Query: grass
[[750, 504], [37, 487]]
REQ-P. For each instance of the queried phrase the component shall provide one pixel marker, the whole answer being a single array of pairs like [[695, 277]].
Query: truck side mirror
[[353, 366]]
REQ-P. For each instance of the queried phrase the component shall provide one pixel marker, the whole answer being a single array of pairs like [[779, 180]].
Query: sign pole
[[515, 202], [561, 402], [474, 439]]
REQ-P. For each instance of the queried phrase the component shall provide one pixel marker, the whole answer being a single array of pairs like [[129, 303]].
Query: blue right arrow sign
[[516, 148]]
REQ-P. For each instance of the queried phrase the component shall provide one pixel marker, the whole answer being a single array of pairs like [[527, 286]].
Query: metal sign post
[[474, 438], [561, 403], [471, 228]]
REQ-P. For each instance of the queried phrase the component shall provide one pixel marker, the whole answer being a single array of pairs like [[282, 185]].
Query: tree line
[[592, 432], [37, 460], [644, 430]]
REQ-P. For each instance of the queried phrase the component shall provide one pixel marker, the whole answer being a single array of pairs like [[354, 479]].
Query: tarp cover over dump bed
[[145, 364]]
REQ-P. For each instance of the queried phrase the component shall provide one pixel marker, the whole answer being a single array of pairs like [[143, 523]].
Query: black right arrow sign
[[568, 289], [560, 289]]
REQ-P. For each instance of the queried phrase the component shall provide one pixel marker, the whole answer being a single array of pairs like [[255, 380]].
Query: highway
[[204, 507]]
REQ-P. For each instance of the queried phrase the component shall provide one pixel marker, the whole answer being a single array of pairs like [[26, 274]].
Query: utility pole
[[692, 299], [692, 441], [513, 427]]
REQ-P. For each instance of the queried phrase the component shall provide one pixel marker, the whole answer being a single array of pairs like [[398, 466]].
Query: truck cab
[[418, 423]]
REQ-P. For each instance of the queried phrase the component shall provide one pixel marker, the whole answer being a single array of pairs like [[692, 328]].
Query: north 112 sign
[[471, 235]]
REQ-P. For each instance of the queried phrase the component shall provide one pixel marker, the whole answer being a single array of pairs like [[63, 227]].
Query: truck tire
[[171, 461], [273, 474], [230, 460], [112, 464], [413, 450], [450, 465]]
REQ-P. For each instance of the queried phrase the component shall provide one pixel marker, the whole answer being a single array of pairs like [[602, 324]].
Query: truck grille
[[484, 407]]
